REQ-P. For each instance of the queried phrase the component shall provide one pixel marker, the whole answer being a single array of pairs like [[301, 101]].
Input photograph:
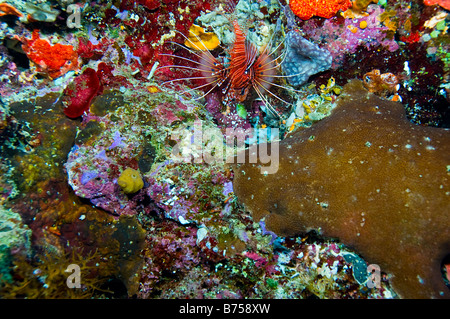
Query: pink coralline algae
[[93, 171], [167, 113], [93, 167], [229, 118], [185, 201], [96, 182], [88, 50], [342, 38]]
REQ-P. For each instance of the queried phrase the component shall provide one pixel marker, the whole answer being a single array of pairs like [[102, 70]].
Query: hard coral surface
[[365, 175], [84, 104]]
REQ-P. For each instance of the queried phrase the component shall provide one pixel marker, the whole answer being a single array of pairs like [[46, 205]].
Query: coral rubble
[[119, 119]]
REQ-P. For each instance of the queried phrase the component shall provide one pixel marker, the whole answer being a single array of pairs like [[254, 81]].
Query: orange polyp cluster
[[384, 83], [306, 9]]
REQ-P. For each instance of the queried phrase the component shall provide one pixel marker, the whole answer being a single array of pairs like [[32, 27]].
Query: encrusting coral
[[82, 101], [370, 178], [306, 9], [52, 60]]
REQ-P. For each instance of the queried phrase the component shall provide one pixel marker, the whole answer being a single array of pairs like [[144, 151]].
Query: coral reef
[[387, 190], [115, 132]]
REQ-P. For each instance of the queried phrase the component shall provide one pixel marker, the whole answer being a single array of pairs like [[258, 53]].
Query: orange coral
[[376, 82], [7, 9], [53, 60], [443, 3], [306, 9]]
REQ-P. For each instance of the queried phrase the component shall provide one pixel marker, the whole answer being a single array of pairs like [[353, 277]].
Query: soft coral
[[79, 93]]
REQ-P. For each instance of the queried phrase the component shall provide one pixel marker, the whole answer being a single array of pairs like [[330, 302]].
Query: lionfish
[[247, 69]]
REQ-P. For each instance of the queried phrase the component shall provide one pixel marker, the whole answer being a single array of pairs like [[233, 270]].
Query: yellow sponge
[[130, 181], [201, 40]]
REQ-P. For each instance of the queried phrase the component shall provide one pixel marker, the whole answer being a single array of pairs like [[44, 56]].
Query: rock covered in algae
[[14, 239], [369, 177]]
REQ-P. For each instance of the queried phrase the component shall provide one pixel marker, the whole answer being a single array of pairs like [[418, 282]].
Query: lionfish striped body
[[247, 69]]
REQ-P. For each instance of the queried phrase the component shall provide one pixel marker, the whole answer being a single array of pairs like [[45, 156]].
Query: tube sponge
[[130, 181]]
